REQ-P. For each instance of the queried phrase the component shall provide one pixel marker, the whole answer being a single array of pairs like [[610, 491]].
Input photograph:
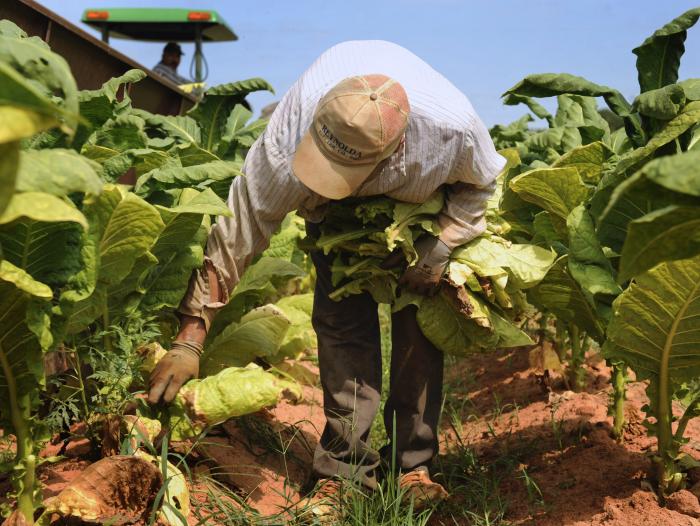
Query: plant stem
[[544, 319], [25, 460], [687, 415], [560, 338], [576, 371], [619, 381], [105, 329]]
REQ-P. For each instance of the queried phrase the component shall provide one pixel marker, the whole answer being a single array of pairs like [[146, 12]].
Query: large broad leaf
[[38, 206], [9, 161], [556, 190], [179, 248], [40, 234], [659, 56], [181, 128], [663, 235], [25, 110], [32, 60], [300, 338], [656, 324], [686, 119], [448, 327], [213, 111], [199, 176], [100, 105], [590, 161], [680, 173], [57, 171], [587, 262], [256, 286], [561, 294], [123, 228], [640, 194], [661, 103], [552, 84], [259, 333], [233, 392], [24, 335], [527, 265], [540, 111]]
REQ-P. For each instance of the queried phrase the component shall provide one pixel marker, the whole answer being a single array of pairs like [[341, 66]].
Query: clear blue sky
[[483, 47]]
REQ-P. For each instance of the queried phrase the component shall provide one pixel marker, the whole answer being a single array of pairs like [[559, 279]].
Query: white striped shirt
[[446, 144]]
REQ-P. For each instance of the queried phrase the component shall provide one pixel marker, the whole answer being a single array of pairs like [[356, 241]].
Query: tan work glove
[[433, 258], [179, 365]]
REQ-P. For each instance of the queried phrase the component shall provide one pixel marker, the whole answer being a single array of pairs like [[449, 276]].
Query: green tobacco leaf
[[233, 392], [213, 111], [452, 332], [540, 111], [663, 235], [686, 119], [32, 60], [527, 264], [284, 243], [100, 105], [255, 287], [556, 190], [656, 323], [41, 207], [179, 127], [680, 173], [123, 228], [640, 194], [659, 56], [552, 84], [691, 88], [587, 262], [59, 172], [198, 176], [179, 249], [40, 234], [259, 333], [300, 338], [661, 103], [9, 161], [590, 161], [561, 294], [24, 335], [124, 132], [235, 122], [447, 328]]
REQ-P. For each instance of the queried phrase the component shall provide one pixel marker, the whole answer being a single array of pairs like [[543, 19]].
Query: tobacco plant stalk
[[619, 382], [25, 460]]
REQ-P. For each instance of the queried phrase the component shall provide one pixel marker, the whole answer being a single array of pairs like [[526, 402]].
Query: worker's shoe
[[419, 488], [323, 505]]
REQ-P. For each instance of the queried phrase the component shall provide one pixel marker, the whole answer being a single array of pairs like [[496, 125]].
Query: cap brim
[[323, 176]]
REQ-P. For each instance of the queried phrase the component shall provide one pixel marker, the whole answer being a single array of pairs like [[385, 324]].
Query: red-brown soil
[[559, 438], [562, 441]]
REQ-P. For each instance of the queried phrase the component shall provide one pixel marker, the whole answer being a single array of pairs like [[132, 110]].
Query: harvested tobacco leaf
[[116, 490]]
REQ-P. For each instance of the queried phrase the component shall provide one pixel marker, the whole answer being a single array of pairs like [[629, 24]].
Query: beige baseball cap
[[357, 124]]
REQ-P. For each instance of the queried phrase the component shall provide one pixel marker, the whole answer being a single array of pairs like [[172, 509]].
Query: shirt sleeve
[[259, 201], [462, 218]]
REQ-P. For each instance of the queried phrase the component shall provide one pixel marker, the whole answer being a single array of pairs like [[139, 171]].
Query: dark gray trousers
[[350, 362]]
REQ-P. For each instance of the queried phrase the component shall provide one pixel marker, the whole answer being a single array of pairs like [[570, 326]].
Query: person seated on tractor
[[167, 67]]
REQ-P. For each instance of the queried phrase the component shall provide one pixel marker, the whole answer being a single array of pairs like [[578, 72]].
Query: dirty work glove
[[179, 365], [424, 276]]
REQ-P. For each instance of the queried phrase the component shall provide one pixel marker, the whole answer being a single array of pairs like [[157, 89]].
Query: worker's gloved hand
[[179, 365], [424, 277]]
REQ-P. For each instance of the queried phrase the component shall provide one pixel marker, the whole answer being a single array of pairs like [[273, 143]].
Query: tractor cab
[[164, 25]]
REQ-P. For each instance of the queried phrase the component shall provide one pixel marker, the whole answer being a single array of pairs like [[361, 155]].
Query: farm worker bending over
[[367, 118]]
